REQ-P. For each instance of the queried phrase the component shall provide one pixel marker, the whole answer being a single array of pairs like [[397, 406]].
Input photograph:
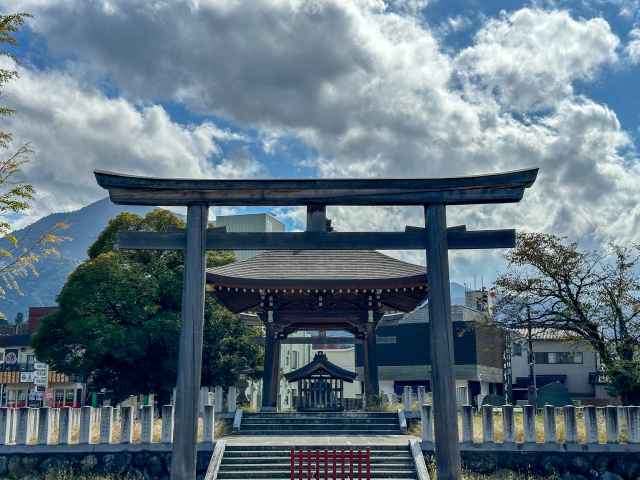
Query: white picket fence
[[613, 417], [21, 425]]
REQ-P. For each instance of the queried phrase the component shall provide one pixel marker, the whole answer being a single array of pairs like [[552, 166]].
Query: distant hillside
[[86, 225]]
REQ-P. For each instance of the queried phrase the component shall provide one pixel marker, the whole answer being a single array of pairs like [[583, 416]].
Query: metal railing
[[339, 461]]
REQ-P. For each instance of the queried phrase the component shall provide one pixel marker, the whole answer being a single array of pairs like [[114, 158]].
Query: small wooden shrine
[[320, 385]]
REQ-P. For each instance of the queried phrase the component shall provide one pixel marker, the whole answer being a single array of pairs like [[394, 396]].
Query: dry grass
[[416, 428], [221, 429], [500, 474]]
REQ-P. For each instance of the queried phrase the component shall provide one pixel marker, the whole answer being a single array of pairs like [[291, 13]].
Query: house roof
[[321, 364], [319, 269], [546, 334], [350, 277]]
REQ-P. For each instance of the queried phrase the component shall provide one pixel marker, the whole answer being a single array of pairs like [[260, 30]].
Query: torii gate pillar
[[443, 380], [185, 433]]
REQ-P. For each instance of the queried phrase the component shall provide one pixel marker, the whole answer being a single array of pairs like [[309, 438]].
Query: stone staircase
[[274, 462], [320, 423]]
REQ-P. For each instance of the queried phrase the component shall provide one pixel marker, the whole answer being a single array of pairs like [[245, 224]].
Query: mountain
[[457, 294], [85, 225]]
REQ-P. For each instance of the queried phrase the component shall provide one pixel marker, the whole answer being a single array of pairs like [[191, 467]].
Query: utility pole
[[531, 391]]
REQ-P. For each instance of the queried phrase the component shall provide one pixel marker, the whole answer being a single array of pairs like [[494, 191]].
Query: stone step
[[321, 414], [322, 477], [286, 466], [256, 457], [286, 460], [287, 448], [321, 432], [336, 420], [286, 473], [319, 426]]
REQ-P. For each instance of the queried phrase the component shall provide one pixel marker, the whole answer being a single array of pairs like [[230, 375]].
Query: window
[[517, 350], [31, 358], [294, 359], [558, 357]]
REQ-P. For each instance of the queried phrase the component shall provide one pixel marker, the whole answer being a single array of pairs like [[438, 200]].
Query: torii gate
[[433, 193]]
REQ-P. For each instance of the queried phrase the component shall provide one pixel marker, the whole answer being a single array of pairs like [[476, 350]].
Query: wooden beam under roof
[[413, 238], [494, 188]]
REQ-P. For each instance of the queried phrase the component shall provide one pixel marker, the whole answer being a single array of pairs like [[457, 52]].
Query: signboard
[[48, 397], [27, 377], [40, 381], [40, 366], [11, 357], [40, 389]]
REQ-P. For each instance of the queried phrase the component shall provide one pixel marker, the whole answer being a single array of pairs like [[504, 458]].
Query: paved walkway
[[319, 440]]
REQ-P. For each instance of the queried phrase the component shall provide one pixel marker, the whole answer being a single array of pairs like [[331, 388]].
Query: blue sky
[[290, 88]]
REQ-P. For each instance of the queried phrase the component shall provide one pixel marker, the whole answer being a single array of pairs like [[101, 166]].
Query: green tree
[[591, 296], [19, 318], [15, 195], [119, 318]]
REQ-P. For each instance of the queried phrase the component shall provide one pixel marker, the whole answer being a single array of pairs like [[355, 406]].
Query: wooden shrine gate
[[434, 194]]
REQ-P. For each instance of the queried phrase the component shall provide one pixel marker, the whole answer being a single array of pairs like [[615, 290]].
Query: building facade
[[24, 381], [558, 359], [253, 222]]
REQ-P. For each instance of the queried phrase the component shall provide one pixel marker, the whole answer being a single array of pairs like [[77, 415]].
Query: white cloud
[[633, 47], [371, 90], [76, 129], [530, 57]]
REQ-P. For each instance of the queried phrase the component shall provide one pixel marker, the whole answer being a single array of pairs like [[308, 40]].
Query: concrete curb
[[418, 460], [216, 458], [541, 447], [402, 420]]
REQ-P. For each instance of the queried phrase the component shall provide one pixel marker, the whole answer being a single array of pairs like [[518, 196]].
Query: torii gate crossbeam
[[433, 193]]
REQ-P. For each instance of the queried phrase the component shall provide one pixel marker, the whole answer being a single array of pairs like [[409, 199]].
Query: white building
[[558, 358]]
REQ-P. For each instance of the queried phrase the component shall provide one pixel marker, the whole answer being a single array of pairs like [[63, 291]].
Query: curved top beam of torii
[[505, 187]]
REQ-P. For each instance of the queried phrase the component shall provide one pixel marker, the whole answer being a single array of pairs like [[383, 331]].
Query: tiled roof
[[313, 268]]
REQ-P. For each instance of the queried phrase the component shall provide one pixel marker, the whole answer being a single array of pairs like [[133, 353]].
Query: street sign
[[27, 377]]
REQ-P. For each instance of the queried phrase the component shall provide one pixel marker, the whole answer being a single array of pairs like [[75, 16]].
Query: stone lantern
[[242, 370]]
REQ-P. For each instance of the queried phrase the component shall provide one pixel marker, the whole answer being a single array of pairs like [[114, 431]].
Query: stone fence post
[[611, 424], [549, 422], [570, 426], [106, 424], [208, 424], [204, 399], [218, 399], [426, 414], [488, 435], [466, 414], [232, 398], [633, 425], [64, 426], [126, 424], [85, 425], [421, 396], [44, 426], [508, 424], [529, 423], [146, 428], [22, 436], [167, 424], [406, 398], [5, 425], [591, 424]]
